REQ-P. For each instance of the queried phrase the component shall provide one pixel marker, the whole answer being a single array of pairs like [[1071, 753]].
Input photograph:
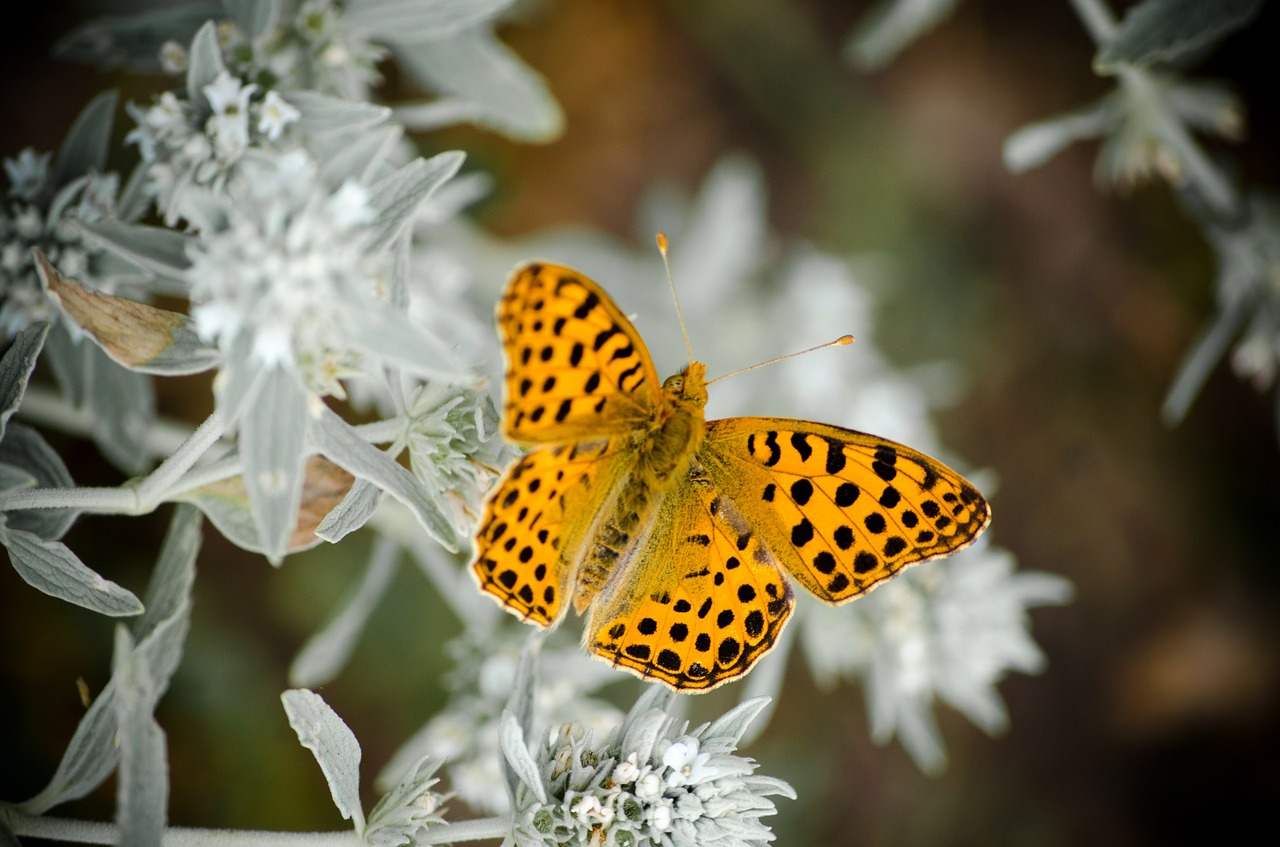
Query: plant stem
[[95, 832], [158, 482]]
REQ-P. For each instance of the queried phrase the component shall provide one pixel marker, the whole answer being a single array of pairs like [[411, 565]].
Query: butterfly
[[673, 534]]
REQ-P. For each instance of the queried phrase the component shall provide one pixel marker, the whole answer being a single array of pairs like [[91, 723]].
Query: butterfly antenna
[[839, 342], [662, 248]]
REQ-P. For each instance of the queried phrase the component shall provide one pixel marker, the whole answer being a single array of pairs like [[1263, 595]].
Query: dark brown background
[[1069, 308]]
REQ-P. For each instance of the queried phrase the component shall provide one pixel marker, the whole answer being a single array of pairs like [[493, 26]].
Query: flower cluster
[[38, 215], [651, 782], [465, 732], [451, 435], [947, 631], [288, 271], [185, 145]]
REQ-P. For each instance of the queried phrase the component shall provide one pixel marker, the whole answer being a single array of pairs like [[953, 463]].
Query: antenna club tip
[[662, 241], [843, 340]]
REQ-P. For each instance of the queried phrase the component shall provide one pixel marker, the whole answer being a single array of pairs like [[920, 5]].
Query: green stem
[[94, 832]]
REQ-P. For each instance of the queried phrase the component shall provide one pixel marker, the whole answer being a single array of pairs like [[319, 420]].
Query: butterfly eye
[[675, 381]]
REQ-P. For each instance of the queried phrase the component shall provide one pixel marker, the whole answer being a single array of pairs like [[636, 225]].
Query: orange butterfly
[[673, 532]]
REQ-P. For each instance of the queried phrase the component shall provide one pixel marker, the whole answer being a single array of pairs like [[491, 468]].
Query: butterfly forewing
[[843, 510], [576, 367], [699, 603]]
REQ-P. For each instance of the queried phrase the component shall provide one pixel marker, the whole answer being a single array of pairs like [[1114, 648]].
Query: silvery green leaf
[[135, 200], [474, 67], [734, 723], [643, 731], [84, 150], [159, 633], [25, 449], [414, 20], [273, 452], [1203, 357], [133, 41], [1034, 144], [436, 114], [406, 808], [520, 708], [142, 790], [337, 752], [728, 214], [891, 26], [322, 113], [13, 478], [136, 335], [359, 157], [7, 838], [517, 756], [326, 652], [382, 331], [399, 195], [352, 513], [15, 369], [334, 437], [122, 405], [204, 65], [239, 380], [763, 786], [159, 251], [67, 358], [254, 17], [1167, 30], [50, 567]]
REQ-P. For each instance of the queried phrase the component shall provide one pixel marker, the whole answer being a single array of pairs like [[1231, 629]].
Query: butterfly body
[[673, 533]]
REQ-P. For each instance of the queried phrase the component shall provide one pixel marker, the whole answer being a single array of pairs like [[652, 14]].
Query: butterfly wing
[[842, 510], [576, 367], [699, 599], [536, 522]]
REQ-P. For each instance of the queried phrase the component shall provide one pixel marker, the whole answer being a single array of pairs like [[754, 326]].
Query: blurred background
[[1066, 309]]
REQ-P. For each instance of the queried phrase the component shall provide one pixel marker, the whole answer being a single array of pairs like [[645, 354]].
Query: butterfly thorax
[[664, 453]]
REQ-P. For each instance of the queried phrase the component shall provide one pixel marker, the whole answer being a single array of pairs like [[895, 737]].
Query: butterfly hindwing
[[576, 367], [534, 525], [700, 601], [843, 510]]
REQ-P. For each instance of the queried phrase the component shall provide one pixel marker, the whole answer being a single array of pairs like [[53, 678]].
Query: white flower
[[590, 810], [28, 223], [275, 114], [229, 123], [173, 57], [659, 816], [687, 765], [28, 173], [649, 787], [626, 771], [350, 206]]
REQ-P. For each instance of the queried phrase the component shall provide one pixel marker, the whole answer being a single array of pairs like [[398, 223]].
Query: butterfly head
[[687, 388]]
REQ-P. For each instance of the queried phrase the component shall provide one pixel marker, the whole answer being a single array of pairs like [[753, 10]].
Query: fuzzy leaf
[[322, 113], [93, 751], [133, 41], [398, 196], [1167, 30], [474, 67], [337, 752], [891, 26], [122, 406], [15, 479], [414, 20], [15, 369], [361, 157], [50, 567], [204, 65], [517, 756], [734, 722], [351, 513], [84, 150], [1037, 143], [254, 17], [25, 449], [142, 790], [406, 808], [226, 503], [1203, 356], [156, 250], [392, 337], [328, 650], [140, 337], [334, 438], [272, 450]]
